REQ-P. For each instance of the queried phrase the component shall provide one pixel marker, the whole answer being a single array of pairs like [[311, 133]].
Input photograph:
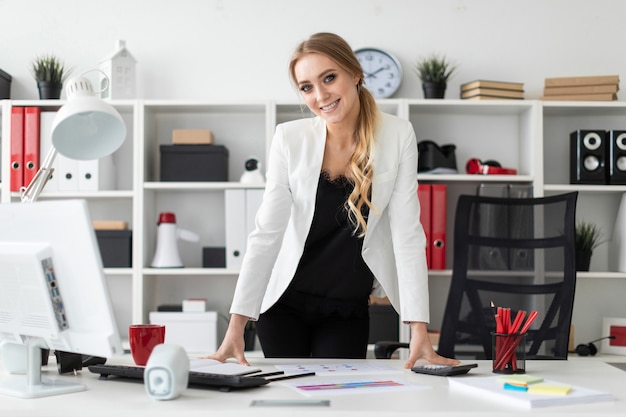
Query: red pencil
[[519, 318], [509, 350], [531, 317]]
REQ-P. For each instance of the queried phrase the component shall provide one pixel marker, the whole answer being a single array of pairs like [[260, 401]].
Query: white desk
[[116, 398]]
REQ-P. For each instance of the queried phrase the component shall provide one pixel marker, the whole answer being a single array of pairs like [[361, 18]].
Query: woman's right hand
[[233, 344]]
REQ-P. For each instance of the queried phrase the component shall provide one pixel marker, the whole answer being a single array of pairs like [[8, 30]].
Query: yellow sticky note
[[549, 389], [520, 379]]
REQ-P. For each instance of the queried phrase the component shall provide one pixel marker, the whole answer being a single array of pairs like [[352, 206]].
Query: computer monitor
[[53, 291]]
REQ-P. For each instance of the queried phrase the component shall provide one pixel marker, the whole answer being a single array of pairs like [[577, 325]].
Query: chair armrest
[[385, 349]]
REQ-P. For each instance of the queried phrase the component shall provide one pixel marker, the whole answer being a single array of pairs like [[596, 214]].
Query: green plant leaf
[[49, 68], [588, 235], [434, 68]]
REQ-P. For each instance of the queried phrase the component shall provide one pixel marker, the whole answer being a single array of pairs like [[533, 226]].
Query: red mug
[[143, 338]]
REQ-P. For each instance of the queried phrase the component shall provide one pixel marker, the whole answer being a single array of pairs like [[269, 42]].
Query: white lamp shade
[[87, 128]]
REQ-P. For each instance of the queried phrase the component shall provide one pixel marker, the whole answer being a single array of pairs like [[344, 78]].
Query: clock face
[[383, 73]]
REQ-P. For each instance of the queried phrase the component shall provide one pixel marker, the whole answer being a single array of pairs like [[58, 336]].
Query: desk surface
[[117, 398]]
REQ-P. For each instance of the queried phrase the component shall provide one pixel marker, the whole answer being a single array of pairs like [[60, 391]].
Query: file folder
[[67, 170], [438, 226], [31, 143], [521, 228], [97, 174], [490, 221], [424, 196], [241, 208], [17, 148], [487, 224], [235, 208], [46, 118]]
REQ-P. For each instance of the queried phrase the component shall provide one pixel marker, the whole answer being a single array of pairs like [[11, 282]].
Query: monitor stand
[[32, 385]]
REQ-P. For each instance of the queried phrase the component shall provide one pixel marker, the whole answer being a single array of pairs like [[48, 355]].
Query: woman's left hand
[[421, 348]]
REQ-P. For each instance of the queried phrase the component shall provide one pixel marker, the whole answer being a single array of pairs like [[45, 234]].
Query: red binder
[[31, 143], [438, 226], [424, 196], [17, 148]]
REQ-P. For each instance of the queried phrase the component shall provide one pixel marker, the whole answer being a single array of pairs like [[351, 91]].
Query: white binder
[[241, 208], [67, 173], [96, 174], [45, 142]]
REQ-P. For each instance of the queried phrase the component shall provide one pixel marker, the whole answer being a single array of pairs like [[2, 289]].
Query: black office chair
[[518, 253]]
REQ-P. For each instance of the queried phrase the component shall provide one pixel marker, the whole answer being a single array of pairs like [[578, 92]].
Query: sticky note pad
[[549, 389], [520, 379], [515, 387]]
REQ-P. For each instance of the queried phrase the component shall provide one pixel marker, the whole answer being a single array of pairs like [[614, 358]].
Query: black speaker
[[588, 150], [616, 160]]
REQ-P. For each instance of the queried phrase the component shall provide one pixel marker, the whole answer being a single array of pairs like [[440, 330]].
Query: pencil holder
[[509, 353]]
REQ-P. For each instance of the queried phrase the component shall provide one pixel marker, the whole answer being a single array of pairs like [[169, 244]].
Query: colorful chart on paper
[[343, 385]]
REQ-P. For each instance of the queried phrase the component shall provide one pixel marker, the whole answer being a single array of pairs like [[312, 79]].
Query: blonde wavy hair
[[360, 168]]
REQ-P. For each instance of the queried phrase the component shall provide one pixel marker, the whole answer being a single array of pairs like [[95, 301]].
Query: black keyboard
[[196, 379]]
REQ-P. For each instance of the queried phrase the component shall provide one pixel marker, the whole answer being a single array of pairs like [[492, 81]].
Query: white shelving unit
[[531, 136]]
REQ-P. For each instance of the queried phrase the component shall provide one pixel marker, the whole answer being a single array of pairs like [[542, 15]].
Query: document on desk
[[364, 384], [340, 369], [493, 388], [212, 366]]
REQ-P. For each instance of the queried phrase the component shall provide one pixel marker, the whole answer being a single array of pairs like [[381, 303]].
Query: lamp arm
[[31, 193]]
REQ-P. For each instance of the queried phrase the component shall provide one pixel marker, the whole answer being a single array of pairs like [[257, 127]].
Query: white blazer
[[394, 244]]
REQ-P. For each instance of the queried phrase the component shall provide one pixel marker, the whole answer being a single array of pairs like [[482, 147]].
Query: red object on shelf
[[167, 217], [31, 143], [424, 196], [17, 148], [438, 226]]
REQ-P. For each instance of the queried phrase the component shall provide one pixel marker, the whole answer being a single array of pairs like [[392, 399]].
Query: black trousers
[[291, 330]]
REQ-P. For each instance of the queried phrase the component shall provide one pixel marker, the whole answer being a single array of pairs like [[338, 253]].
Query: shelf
[[583, 108], [600, 275], [91, 195], [531, 136], [189, 271], [185, 186], [601, 189], [440, 273], [447, 273], [474, 178], [118, 271], [470, 107], [195, 107]]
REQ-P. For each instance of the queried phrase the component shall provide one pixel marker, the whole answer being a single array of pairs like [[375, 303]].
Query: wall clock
[[383, 72]]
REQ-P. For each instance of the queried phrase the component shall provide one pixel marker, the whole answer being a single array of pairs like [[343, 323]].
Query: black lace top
[[332, 270]]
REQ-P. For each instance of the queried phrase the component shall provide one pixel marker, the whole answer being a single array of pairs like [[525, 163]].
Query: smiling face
[[327, 89]]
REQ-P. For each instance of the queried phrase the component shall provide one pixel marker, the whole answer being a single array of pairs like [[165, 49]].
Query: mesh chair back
[[517, 253]]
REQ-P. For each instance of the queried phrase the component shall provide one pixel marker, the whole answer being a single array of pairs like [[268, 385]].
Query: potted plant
[[587, 238], [50, 73], [434, 72]]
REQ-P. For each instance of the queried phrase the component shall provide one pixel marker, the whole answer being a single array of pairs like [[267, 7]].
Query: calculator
[[443, 370]]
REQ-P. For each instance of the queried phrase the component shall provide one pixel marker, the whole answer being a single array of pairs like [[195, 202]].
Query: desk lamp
[[85, 128]]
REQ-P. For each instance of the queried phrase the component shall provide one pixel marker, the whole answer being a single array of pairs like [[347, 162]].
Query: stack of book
[[492, 90], [589, 88]]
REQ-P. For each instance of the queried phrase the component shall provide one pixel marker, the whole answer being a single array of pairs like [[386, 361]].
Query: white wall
[[226, 50]]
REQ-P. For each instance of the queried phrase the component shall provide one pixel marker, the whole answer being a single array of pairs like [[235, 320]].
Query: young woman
[[339, 221]]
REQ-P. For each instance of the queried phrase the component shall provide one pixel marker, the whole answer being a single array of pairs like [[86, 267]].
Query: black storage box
[[115, 248], [213, 257], [194, 163], [5, 85], [384, 323]]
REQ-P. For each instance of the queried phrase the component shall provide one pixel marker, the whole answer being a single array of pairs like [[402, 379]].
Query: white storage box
[[195, 332]]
